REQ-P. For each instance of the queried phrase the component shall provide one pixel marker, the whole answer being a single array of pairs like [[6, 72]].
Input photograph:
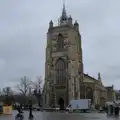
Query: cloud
[[23, 28]]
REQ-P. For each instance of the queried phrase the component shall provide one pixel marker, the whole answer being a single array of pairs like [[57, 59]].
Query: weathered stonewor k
[[64, 75], [63, 67]]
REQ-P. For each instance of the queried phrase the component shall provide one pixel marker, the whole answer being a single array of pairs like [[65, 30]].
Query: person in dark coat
[[1, 109], [117, 111], [30, 110], [107, 109], [19, 109]]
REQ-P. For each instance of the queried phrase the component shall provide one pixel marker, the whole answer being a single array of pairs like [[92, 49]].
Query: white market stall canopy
[[109, 103]]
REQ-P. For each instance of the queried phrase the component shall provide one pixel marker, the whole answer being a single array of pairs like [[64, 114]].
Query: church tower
[[64, 64]]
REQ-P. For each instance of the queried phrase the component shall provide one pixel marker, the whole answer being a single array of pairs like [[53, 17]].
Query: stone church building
[[64, 69]]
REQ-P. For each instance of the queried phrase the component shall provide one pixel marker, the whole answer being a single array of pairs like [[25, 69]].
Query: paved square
[[61, 116]]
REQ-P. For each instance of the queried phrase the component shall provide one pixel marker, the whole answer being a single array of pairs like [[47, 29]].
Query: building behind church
[[65, 79]]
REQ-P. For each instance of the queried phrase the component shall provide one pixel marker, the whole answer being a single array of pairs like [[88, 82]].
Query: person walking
[[30, 111]]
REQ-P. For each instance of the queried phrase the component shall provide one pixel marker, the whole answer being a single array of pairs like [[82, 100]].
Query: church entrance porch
[[61, 103]]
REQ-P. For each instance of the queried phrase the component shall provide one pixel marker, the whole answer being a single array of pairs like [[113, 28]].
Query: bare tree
[[38, 90], [0, 92], [8, 95], [24, 85], [7, 91]]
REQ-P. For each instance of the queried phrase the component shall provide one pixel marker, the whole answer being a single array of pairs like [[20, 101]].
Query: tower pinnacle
[[99, 76], [64, 17], [64, 10]]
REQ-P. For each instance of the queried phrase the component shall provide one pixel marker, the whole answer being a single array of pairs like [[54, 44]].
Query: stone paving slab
[[62, 116]]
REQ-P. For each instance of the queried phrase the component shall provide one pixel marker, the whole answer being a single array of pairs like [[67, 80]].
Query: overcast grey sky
[[23, 27]]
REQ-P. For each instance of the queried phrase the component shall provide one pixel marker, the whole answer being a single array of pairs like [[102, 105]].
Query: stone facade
[[111, 94], [64, 76], [63, 67], [117, 94], [94, 90]]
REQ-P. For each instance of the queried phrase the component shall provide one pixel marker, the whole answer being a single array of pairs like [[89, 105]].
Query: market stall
[[112, 108]]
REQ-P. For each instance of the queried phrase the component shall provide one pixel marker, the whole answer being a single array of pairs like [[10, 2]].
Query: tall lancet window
[[60, 42], [60, 72]]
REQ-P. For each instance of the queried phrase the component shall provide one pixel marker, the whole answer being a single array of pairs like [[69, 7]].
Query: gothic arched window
[[60, 71], [60, 42]]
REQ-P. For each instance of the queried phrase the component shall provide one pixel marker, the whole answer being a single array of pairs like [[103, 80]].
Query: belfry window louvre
[[60, 42]]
